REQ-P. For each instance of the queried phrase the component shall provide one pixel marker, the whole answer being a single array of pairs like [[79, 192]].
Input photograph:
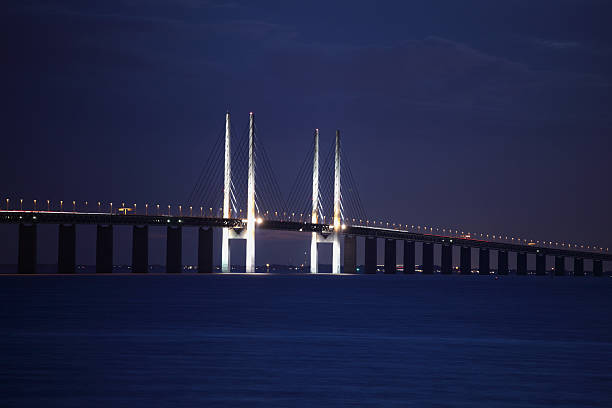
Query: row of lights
[[425, 229], [462, 234]]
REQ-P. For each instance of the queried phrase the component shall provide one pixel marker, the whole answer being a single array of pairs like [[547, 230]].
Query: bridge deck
[[56, 217]]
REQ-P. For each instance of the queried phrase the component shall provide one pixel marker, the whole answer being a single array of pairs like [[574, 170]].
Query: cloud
[[433, 73], [557, 45]]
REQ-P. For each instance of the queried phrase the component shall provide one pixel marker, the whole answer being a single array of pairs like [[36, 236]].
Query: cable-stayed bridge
[[237, 191]]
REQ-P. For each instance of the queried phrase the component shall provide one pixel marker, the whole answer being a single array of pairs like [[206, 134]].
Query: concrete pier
[[174, 248], [408, 256], [350, 254], [66, 251], [502, 262], [26, 257], [390, 256], [140, 249], [559, 266], [104, 249], [370, 254], [446, 266], [521, 263], [578, 267], [597, 268], [540, 264], [428, 258], [465, 261], [484, 264], [205, 250]]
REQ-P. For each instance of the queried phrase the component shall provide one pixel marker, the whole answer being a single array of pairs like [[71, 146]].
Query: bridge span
[[67, 222], [310, 205]]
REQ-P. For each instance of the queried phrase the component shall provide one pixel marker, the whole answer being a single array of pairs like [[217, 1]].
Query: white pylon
[[337, 226], [250, 231], [225, 247], [334, 237], [314, 253], [247, 233]]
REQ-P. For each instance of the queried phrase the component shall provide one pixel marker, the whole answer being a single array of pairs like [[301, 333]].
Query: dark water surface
[[299, 340]]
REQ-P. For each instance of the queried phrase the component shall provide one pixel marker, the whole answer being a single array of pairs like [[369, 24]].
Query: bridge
[[264, 210]]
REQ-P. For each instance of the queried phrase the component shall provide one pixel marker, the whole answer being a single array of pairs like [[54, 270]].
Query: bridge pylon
[[314, 253], [227, 182], [334, 237], [247, 233]]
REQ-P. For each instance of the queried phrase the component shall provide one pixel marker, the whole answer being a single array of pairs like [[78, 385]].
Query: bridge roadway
[[73, 218]]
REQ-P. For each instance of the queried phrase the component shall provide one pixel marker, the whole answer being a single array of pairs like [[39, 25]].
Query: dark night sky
[[488, 115]]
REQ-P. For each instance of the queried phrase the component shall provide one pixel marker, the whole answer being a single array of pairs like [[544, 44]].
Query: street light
[[48, 205], [147, 209], [34, 205], [7, 204], [61, 205], [73, 205], [21, 204]]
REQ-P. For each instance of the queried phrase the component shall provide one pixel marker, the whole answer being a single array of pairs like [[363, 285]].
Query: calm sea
[[305, 341]]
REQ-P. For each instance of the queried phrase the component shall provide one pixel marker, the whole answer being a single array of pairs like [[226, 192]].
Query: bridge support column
[[205, 250], [578, 267], [140, 249], [26, 258], [540, 264], [104, 249], [370, 254], [408, 256], [597, 267], [66, 252], [484, 264], [390, 256], [465, 261], [174, 244], [428, 258], [502, 262], [521, 263], [350, 254], [559, 266], [446, 266]]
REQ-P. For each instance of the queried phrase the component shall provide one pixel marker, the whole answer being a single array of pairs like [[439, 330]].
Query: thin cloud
[[557, 45]]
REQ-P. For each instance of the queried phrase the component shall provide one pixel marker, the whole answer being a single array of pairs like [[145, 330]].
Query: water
[[299, 340]]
